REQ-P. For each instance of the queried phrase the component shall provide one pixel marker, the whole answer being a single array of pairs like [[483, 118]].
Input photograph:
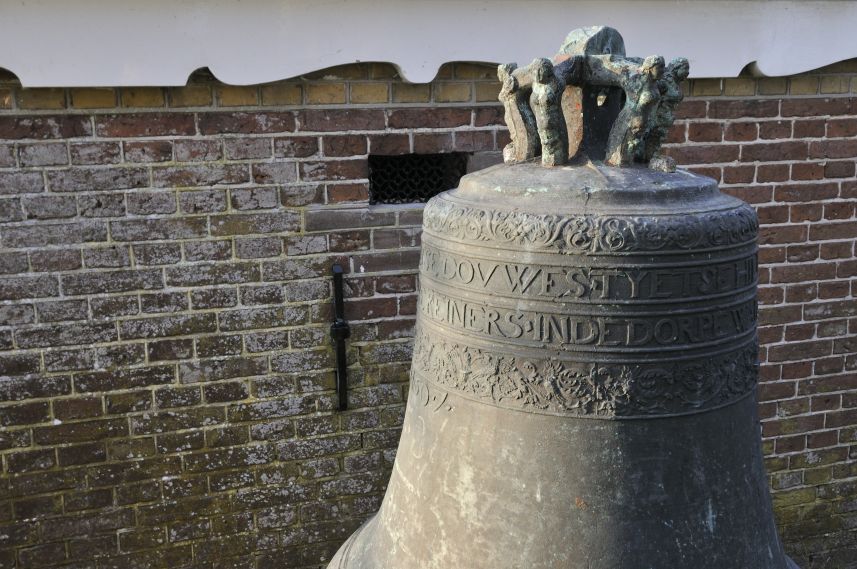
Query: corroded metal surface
[[582, 381]]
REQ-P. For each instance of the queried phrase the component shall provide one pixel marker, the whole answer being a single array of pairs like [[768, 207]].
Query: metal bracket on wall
[[339, 331]]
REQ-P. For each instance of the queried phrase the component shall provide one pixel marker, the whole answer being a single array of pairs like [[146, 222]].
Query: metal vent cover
[[413, 178]]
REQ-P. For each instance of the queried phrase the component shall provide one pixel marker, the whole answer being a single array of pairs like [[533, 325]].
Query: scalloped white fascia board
[[160, 42]]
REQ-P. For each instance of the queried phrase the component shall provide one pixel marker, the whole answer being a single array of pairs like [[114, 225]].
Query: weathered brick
[[14, 288], [154, 229], [112, 281], [157, 253], [248, 148], [21, 183], [816, 107], [198, 150], [78, 179], [177, 325], [145, 124], [148, 151], [54, 234], [82, 431], [45, 127], [212, 274], [114, 306], [101, 205], [219, 250], [200, 175], [255, 318], [735, 109], [258, 247], [250, 223], [164, 302], [329, 120], [246, 123], [254, 198], [214, 298], [177, 420], [296, 196], [62, 310], [15, 314], [222, 345], [10, 210], [66, 335]]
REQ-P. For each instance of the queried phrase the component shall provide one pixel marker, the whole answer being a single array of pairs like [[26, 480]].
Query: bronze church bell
[[585, 361]]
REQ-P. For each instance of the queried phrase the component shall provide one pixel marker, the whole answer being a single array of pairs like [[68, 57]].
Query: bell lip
[[586, 185]]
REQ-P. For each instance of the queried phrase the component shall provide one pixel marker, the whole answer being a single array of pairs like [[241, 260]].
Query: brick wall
[[166, 392]]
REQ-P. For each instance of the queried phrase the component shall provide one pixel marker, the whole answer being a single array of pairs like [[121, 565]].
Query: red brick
[[830, 231], [773, 214], [800, 350], [346, 145], [774, 151], [738, 109], [45, 127], [145, 124], [802, 253], [841, 250], [705, 154], [473, 141], [782, 234], [840, 128], [808, 171], [772, 173], [775, 129], [812, 128], [330, 120], [738, 174], [741, 131], [806, 192], [296, 146], [246, 123], [691, 110], [799, 273], [833, 149], [816, 107], [149, 151], [334, 170], [705, 132], [838, 211], [347, 193], [839, 169], [805, 212], [389, 144], [438, 117], [432, 143], [488, 116], [751, 194], [713, 172]]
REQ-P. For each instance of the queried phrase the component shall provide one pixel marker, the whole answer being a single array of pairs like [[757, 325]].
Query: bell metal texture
[[583, 380]]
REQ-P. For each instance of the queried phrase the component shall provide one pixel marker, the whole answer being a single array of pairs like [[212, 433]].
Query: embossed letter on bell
[[584, 370]]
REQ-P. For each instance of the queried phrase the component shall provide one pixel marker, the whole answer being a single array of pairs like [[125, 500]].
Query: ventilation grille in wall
[[413, 178]]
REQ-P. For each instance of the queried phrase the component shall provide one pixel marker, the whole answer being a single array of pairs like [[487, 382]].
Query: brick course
[[166, 397]]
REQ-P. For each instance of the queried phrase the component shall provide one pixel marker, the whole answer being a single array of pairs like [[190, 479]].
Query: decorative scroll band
[[590, 234], [601, 390]]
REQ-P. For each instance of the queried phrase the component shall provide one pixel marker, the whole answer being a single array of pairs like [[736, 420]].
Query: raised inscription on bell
[[628, 331], [589, 283]]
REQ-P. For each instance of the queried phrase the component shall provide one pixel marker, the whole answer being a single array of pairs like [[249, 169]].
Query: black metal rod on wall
[[339, 331]]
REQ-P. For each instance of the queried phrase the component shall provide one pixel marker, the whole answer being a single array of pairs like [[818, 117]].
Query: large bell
[[583, 379]]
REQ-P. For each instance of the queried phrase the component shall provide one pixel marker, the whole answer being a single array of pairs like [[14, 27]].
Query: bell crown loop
[[591, 101]]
